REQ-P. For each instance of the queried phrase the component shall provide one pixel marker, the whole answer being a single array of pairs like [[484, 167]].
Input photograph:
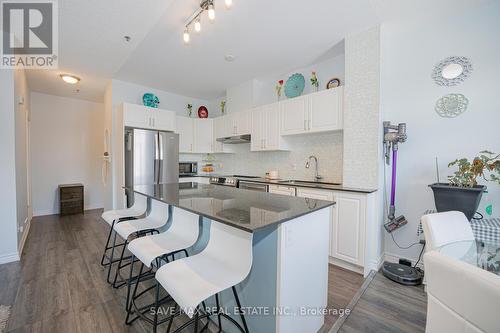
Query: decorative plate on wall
[[294, 86], [333, 83], [451, 105], [202, 112], [452, 71], [151, 100]]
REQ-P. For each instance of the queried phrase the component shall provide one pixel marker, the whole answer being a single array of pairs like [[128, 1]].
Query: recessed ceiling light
[[229, 57], [71, 79], [127, 38]]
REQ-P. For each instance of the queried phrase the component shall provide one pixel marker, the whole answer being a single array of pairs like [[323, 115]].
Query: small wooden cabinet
[[70, 199]]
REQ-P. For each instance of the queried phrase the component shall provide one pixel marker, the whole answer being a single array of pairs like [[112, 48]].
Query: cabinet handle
[[191, 147], [305, 125], [264, 142], [153, 119], [309, 124]]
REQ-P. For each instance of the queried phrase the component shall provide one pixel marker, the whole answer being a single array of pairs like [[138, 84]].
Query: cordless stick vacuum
[[393, 135], [401, 272]]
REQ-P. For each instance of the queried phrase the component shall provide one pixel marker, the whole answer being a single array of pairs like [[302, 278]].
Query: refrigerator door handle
[[155, 162], [161, 148]]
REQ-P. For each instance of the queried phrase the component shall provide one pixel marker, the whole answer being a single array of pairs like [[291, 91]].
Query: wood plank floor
[[387, 306], [59, 285]]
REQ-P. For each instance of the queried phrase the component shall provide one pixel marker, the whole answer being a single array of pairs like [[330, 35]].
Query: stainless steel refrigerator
[[151, 157]]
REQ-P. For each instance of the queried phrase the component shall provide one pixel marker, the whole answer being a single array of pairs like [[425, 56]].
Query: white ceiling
[[265, 37]]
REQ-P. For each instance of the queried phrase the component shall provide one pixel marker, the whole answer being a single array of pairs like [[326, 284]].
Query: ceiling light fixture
[[71, 79], [186, 36], [195, 18], [211, 12], [197, 25]]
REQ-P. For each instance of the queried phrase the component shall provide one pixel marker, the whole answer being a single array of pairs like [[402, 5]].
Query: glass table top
[[485, 255]]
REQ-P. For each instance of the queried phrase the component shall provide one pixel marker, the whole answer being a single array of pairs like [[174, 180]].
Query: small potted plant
[[279, 88], [190, 109], [314, 81], [462, 193]]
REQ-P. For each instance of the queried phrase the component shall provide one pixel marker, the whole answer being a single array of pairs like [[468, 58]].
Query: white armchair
[[461, 297]]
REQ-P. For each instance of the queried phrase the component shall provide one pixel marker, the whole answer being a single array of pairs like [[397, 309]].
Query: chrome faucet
[[317, 176]]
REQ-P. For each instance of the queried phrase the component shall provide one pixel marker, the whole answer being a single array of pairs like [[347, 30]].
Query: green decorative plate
[[294, 86]]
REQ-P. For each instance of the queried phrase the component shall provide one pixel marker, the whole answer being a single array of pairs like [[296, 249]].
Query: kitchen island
[[286, 290]]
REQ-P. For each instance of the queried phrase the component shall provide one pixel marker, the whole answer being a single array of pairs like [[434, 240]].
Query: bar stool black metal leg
[[155, 318], [112, 257], [239, 307], [129, 309], [218, 312], [196, 317], [106, 248], [119, 264], [129, 282]]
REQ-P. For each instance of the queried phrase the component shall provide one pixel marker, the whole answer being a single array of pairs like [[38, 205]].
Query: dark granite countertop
[[281, 182], [243, 209]]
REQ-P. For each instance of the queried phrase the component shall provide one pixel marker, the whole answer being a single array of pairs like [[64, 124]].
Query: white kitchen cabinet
[[185, 129], [294, 115], [201, 180], [321, 195], [325, 111], [164, 120], [203, 135], [317, 112], [266, 129], [219, 132], [237, 123], [283, 190], [349, 221], [150, 118]]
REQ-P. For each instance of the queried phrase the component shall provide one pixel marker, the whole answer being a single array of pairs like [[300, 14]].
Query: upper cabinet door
[[258, 129], [294, 115], [185, 128], [219, 127], [164, 120], [271, 126], [229, 125], [137, 116], [326, 110], [203, 135], [243, 122]]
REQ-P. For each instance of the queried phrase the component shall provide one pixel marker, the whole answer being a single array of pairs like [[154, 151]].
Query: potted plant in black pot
[[462, 193]]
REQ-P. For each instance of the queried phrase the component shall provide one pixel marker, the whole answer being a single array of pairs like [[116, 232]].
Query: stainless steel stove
[[231, 180]]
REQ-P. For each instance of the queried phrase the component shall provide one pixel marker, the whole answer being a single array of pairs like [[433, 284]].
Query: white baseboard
[[390, 257], [346, 265], [9, 257], [27, 225], [44, 212]]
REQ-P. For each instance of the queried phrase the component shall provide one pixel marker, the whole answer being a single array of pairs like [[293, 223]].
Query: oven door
[[253, 186]]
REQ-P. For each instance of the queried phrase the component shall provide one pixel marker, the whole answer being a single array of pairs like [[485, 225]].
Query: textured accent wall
[[361, 109]]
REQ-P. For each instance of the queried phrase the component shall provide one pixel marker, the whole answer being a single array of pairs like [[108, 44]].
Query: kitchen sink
[[307, 183]]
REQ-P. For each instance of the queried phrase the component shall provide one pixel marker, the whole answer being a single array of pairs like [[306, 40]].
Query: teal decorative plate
[[294, 86], [149, 99]]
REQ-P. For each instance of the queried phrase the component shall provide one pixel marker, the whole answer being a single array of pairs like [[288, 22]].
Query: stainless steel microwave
[[187, 169]]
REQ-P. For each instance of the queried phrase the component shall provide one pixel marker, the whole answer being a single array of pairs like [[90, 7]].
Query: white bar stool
[[224, 263], [181, 235], [117, 215], [157, 218]]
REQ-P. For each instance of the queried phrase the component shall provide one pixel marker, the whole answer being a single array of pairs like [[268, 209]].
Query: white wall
[[23, 172], [409, 50], [132, 93], [67, 145], [8, 211]]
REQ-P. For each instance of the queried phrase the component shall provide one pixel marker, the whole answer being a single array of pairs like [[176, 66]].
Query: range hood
[[237, 139]]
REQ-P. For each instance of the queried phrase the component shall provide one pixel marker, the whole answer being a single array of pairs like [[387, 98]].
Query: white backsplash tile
[[327, 147]]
